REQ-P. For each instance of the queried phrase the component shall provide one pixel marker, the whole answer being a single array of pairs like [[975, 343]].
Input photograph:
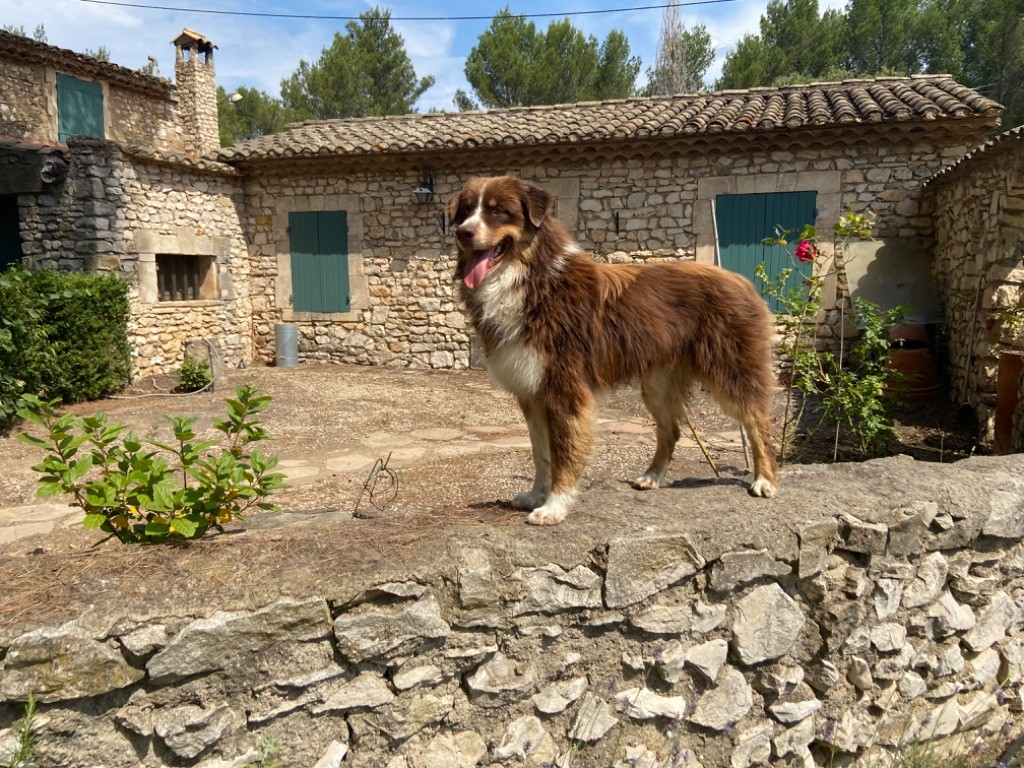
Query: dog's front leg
[[537, 423], [570, 442]]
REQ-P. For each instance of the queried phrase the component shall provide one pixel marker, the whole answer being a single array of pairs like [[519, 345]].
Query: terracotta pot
[[1011, 363], [912, 358]]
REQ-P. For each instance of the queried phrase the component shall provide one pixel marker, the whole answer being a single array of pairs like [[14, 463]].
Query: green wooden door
[[745, 220], [319, 255], [79, 108]]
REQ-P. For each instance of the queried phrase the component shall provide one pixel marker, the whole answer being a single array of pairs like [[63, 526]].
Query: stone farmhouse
[[337, 226]]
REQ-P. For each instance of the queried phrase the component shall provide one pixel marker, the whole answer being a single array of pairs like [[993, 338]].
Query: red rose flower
[[806, 251]]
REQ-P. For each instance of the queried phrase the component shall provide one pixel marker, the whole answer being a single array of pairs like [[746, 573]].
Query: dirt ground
[[330, 421]]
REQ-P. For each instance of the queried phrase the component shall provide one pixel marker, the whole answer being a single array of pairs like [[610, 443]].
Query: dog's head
[[495, 220]]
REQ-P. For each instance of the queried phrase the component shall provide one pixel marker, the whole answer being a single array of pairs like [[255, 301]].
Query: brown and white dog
[[556, 326]]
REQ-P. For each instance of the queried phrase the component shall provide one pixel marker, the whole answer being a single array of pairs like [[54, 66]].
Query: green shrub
[[62, 336], [25, 355], [24, 755], [852, 392], [136, 494], [193, 375], [86, 320]]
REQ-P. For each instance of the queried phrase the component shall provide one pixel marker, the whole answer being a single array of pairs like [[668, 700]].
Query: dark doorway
[[10, 236]]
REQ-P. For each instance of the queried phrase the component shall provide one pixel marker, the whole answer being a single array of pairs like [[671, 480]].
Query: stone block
[[766, 625], [641, 567]]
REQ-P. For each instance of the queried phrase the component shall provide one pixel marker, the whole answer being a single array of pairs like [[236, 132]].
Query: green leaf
[[28, 439], [156, 530], [49, 488], [183, 526], [163, 498], [94, 522], [80, 468]]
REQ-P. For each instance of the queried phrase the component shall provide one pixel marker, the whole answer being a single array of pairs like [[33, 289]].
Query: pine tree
[[365, 71]]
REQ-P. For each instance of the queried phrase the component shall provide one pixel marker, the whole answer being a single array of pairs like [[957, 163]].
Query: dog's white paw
[[553, 512], [763, 488], [647, 482], [528, 500]]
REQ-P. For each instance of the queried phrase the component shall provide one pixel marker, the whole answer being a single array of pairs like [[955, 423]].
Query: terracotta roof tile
[[883, 100], [19, 48]]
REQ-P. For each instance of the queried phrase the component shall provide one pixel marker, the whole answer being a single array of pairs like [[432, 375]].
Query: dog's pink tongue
[[476, 268]]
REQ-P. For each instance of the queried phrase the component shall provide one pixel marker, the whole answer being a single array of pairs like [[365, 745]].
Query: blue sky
[[259, 52]]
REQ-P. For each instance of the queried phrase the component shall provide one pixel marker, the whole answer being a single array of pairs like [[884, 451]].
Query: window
[[184, 278], [743, 221], [319, 260], [79, 108]]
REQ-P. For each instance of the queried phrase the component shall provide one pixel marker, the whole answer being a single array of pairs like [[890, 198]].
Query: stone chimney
[[197, 93]]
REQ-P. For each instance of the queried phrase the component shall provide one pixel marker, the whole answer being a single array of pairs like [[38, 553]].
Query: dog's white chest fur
[[518, 367]]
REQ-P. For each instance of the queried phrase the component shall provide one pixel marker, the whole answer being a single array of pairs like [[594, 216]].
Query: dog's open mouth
[[480, 263]]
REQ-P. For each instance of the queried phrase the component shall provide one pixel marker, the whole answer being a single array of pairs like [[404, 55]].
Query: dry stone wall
[[979, 266], [144, 119], [23, 102], [117, 212], [632, 203], [897, 621]]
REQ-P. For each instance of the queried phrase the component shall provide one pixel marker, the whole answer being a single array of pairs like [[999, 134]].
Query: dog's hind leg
[[664, 392], [758, 427], [752, 411], [540, 442], [571, 440]]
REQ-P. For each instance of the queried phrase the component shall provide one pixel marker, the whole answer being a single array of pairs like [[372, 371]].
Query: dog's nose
[[465, 233]]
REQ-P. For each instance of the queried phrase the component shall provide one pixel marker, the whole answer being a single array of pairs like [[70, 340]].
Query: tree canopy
[[514, 64], [978, 42], [364, 72], [252, 114], [796, 42]]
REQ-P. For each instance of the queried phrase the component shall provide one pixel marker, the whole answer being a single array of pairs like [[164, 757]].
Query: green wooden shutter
[[745, 220], [79, 108], [319, 253]]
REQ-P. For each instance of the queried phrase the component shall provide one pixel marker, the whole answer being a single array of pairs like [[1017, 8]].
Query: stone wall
[[116, 212], [813, 640], [979, 266], [28, 108], [23, 102], [635, 202], [144, 119]]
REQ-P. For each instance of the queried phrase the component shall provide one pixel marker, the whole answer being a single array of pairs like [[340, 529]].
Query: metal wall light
[[424, 193]]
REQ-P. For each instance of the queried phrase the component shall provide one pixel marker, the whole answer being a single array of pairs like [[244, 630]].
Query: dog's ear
[[451, 208], [536, 203]]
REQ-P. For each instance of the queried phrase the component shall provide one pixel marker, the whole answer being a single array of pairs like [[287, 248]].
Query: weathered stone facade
[[823, 640], [978, 207], [116, 212], [24, 105], [626, 202], [137, 108]]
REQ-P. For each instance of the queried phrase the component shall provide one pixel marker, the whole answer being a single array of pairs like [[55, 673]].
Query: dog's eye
[[502, 214]]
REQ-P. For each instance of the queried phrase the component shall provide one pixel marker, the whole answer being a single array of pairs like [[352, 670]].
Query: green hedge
[[62, 335]]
